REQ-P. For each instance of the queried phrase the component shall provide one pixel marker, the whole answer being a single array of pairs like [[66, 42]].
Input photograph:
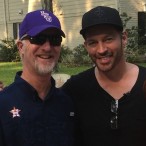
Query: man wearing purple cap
[[110, 97], [32, 111]]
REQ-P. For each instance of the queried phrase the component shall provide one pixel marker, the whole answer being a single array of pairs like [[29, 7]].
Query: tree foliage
[[8, 51], [47, 5], [134, 52]]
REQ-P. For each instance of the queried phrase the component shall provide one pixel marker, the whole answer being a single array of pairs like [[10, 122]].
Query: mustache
[[104, 54]]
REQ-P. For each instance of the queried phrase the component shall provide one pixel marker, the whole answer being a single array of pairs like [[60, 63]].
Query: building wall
[[132, 7], [2, 19], [70, 13], [13, 11]]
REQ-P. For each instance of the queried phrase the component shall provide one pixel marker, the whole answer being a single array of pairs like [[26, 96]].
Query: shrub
[[65, 55], [8, 51], [76, 57], [81, 56], [134, 52]]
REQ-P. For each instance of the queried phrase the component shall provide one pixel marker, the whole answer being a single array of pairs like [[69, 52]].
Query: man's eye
[[91, 43], [109, 39]]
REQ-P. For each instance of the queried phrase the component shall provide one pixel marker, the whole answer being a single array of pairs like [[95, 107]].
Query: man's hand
[[1, 86]]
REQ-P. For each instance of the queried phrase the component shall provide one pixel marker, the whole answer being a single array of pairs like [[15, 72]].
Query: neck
[[41, 83], [115, 74], [122, 79]]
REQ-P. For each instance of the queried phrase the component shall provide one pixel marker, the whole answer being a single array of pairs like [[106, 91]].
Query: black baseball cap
[[101, 15]]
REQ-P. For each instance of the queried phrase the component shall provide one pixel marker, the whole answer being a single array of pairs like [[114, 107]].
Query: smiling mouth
[[104, 57], [45, 56]]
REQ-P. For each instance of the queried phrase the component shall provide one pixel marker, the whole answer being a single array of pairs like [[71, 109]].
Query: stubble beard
[[114, 62]]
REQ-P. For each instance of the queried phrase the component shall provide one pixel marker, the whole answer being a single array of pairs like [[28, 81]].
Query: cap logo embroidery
[[15, 112], [46, 16], [99, 12]]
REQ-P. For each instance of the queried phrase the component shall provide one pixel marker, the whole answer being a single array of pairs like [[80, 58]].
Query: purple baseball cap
[[37, 21]]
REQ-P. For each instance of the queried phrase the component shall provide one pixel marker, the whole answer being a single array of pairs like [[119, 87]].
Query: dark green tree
[[47, 5]]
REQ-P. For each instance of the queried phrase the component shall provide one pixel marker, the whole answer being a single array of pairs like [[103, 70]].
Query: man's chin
[[104, 68], [45, 69]]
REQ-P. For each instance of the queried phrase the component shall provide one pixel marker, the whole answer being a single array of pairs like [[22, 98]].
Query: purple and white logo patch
[[46, 16]]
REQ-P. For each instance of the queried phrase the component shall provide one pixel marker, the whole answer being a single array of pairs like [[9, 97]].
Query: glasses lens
[[38, 40], [55, 40], [114, 110], [41, 39], [58, 41]]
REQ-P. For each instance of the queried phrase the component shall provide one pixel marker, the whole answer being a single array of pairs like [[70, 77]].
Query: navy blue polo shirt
[[26, 120]]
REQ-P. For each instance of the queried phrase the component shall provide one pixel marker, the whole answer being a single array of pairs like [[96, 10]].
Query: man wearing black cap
[[32, 111], [109, 98]]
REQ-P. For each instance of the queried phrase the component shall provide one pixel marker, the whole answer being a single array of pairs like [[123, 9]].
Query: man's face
[[105, 46], [40, 57]]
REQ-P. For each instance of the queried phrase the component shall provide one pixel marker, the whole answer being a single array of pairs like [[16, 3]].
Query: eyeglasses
[[41, 39], [114, 118]]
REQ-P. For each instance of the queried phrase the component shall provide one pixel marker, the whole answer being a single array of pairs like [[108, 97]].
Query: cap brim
[[82, 31], [37, 30]]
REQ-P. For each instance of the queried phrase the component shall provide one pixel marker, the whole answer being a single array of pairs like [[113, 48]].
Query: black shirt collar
[[27, 88]]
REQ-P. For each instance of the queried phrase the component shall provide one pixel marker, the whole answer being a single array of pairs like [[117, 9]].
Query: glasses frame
[[54, 40]]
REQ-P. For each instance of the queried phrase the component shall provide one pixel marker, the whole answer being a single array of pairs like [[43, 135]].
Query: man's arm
[[2, 143]]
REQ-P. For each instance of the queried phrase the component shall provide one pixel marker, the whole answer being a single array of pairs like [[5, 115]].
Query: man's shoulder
[[7, 99], [142, 70], [84, 74], [142, 67], [80, 80], [8, 91]]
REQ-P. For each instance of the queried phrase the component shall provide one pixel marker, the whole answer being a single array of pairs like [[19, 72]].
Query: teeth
[[45, 57], [103, 57]]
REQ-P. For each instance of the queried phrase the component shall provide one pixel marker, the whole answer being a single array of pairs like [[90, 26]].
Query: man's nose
[[101, 47], [47, 46]]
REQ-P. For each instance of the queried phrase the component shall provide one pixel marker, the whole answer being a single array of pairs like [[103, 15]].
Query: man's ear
[[20, 46], [124, 38], [85, 44]]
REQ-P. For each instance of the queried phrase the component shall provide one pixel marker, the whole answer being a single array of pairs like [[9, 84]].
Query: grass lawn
[[9, 69]]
